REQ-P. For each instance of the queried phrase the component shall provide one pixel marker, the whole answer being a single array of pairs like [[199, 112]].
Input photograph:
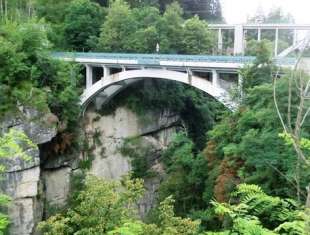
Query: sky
[[237, 11]]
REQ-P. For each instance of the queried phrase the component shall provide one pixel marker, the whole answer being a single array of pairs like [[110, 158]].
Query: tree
[[17, 10], [172, 27], [99, 208], [197, 39], [186, 175], [147, 35], [143, 3], [82, 22], [248, 141], [169, 224], [117, 29], [52, 10], [294, 118], [254, 47], [209, 10], [260, 71], [277, 15], [29, 77], [102, 208]]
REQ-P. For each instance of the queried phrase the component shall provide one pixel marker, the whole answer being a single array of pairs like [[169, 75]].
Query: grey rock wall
[[36, 187], [22, 179], [156, 130]]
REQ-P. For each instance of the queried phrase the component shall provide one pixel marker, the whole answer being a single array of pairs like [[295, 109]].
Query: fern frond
[[295, 227], [247, 189]]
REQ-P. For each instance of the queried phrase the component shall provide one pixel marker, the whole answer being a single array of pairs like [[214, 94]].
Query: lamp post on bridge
[[157, 48]]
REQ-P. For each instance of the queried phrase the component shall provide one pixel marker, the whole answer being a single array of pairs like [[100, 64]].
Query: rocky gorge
[[41, 185]]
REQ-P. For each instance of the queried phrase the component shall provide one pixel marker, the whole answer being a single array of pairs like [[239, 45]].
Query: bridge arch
[[112, 84]]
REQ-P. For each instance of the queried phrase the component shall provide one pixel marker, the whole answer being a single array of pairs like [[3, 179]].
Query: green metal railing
[[146, 59]]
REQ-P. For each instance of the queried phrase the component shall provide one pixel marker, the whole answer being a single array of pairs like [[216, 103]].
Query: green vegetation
[[140, 29], [114, 212], [251, 212], [30, 78], [136, 149], [85, 15], [225, 172]]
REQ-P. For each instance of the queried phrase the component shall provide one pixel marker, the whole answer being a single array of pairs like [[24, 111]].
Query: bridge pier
[[89, 76], [215, 77], [276, 42], [239, 40], [259, 34], [220, 41], [106, 71]]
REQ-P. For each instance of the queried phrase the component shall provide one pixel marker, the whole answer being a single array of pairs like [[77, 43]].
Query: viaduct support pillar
[[215, 78], [276, 42], [259, 34], [239, 40], [220, 41], [106, 71], [89, 76]]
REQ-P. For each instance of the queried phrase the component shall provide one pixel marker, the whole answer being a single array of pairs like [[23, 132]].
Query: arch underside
[[109, 86]]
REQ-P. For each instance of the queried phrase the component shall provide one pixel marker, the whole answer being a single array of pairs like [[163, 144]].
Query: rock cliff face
[[38, 186], [156, 130], [22, 179], [112, 130]]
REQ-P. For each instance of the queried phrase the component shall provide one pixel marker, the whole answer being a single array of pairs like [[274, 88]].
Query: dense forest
[[243, 172]]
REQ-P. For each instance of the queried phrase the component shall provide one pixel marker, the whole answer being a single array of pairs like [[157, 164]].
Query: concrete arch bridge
[[109, 73]]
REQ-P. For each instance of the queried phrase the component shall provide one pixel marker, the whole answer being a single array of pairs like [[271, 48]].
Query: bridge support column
[[89, 76], [276, 42], [220, 41], [259, 34], [189, 76], [239, 40], [215, 76], [106, 71]]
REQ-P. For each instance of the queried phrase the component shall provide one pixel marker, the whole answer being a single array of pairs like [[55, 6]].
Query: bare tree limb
[[305, 116]]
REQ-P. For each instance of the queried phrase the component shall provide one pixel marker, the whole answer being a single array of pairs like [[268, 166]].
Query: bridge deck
[[159, 59], [262, 26]]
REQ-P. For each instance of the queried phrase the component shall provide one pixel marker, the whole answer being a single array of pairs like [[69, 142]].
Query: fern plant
[[252, 211]]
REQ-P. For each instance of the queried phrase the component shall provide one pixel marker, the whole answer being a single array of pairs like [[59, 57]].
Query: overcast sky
[[236, 11]]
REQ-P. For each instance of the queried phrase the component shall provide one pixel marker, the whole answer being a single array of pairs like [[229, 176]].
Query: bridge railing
[[145, 59]]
